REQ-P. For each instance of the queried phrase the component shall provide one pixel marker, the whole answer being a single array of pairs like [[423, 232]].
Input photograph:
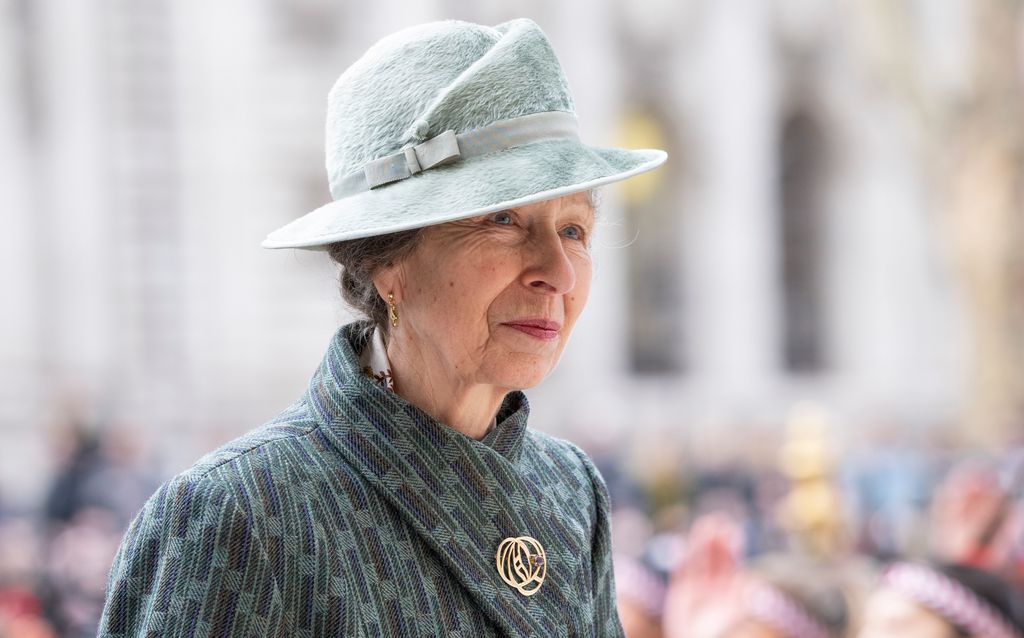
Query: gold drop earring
[[392, 310]]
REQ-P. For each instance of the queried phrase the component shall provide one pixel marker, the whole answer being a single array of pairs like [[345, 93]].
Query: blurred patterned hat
[[449, 120]]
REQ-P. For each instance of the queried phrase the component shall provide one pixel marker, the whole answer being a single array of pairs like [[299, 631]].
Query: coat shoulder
[[198, 558], [564, 454], [571, 468], [281, 432], [268, 468]]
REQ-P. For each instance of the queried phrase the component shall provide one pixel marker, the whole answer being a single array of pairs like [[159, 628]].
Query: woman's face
[[493, 299], [889, 614]]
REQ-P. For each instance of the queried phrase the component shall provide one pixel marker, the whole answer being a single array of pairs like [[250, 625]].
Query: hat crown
[[450, 75]]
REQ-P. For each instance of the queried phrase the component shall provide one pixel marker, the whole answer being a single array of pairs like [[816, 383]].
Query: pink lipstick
[[538, 328]]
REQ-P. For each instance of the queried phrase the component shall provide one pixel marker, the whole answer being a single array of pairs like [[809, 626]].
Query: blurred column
[[986, 223], [968, 104], [58, 332], [253, 84], [18, 341], [734, 282], [652, 117], [20, 373], [146, 239]]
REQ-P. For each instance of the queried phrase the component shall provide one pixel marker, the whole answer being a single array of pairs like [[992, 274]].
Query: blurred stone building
[[792, 249]]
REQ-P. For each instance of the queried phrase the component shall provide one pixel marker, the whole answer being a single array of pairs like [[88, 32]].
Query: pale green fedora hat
[[449, 120]]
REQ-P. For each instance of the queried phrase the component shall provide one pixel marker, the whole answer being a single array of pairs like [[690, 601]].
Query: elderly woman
[[403, 494]]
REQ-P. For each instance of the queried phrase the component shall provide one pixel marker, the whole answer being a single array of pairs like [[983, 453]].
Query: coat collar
[[460, 495]]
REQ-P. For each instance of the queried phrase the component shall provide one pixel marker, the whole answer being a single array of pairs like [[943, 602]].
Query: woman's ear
[[388, 281]]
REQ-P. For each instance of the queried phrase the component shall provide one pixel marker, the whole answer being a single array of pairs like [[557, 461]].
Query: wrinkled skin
[[455, 352]]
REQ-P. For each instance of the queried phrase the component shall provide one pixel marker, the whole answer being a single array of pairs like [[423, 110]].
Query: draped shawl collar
[[461, 496]]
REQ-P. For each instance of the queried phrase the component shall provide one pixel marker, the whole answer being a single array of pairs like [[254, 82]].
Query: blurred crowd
[[909, 541], [54, 559]]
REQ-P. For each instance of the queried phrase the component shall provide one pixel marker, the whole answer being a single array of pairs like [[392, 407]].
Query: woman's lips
[[538, 328]]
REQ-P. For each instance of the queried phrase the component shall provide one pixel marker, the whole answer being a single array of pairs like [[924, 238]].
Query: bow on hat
[[442, 149]]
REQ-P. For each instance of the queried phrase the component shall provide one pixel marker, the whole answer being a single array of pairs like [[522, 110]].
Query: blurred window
[[656, 331], [315, 23], [801, 210]]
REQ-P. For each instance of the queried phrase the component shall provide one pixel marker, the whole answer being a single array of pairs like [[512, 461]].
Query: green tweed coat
[[353, 513]]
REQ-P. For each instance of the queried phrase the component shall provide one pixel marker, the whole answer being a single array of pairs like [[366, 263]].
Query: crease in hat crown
[[433, 78]]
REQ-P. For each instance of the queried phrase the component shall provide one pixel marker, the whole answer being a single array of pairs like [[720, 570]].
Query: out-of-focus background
[[806, 320]]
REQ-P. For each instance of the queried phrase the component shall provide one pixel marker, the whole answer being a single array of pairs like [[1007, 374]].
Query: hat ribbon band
[[450, 146]]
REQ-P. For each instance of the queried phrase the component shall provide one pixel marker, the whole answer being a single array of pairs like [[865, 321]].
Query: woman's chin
[[521, 372]]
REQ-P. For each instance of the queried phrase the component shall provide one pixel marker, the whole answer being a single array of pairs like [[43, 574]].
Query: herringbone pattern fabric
[[355, 514]]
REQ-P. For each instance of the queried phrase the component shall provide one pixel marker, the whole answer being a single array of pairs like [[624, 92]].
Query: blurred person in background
[[711, 594], [403, 493], [640, 596], [977, 519], [21, 552], [74, 485], [96, 489], [75, 568], [942, 601]]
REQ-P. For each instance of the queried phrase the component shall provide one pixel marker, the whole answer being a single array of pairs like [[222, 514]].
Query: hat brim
[[476, 186]]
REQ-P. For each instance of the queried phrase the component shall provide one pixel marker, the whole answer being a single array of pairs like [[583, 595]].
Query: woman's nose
[[548, 267]]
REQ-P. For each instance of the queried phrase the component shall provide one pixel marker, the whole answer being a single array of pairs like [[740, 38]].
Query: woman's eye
[[573, 232], [503, 218]]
